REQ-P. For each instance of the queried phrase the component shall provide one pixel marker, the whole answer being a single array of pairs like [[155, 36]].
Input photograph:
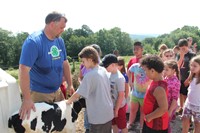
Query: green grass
[[13, 72], [126, 58]]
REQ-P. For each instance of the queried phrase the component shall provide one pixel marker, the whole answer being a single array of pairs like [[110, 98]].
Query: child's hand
[[186, 82], [147, 118], [116, 112], [68, 102]]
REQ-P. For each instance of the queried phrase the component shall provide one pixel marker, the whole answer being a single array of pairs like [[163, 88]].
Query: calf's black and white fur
[[55, 117]]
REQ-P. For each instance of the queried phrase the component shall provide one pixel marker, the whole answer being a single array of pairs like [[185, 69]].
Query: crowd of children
[[153, 82]]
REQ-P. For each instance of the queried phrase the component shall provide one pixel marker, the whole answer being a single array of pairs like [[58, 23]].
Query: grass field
[[13, 72]]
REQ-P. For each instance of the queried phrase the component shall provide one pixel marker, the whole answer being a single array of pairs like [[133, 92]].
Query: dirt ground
[[176, 125], [80, 122]]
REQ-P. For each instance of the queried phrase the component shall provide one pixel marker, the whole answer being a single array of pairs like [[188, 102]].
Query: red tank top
[[150, 104]]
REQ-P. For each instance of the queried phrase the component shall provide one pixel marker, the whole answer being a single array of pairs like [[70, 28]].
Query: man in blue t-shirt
[[42, 64]]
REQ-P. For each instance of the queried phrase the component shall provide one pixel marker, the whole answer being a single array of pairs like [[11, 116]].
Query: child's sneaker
[[130, 127]]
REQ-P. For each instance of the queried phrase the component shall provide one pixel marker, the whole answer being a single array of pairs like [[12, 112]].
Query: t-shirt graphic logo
[[54, 51]]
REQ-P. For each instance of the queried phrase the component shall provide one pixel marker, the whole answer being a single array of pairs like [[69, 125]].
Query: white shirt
[[194, 93]]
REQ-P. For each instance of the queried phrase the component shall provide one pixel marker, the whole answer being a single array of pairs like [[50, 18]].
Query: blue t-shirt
[[45, 57]]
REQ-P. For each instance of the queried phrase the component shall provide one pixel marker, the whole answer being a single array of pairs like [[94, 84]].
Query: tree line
[[108, 40]]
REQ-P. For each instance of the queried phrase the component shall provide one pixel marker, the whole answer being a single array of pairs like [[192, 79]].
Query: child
[[82, 73], [95, 88], [185, 55], [122, 69], [155, 100], [139, 87], [117, 91], [168, 54], [171, 73], [161, 48], [176, 52], [137, 51], [192, 103]]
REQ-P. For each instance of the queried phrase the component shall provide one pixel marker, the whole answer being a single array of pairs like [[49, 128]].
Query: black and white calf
[[56, 117]]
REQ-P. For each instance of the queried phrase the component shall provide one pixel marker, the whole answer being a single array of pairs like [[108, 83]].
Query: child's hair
[[189, 39], [138, 44], [90, 53], [162, 47], [182, 42], [173, 65], [98, 49], [197, 60], [153, 61], [121, 62], [116, 52], [168, 51], [176, 47]]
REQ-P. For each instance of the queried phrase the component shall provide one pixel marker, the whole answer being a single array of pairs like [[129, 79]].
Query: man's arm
[[27, 103], [68, 77]]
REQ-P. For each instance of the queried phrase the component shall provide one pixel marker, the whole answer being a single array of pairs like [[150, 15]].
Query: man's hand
[[70, 89], [25, 109]]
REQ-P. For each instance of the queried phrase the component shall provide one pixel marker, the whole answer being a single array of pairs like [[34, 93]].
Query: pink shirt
[[173, 86]]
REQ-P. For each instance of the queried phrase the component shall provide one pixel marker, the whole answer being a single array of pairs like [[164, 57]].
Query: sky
[[131, 16]]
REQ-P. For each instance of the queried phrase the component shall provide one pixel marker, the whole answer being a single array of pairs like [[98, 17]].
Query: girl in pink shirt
[[171, 73]]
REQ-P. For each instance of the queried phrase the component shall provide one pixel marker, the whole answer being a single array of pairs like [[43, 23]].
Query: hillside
[[141, 37]]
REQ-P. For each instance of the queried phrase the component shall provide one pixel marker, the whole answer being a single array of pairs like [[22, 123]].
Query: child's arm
[[161, 99], [172, 107], [73, 98], [181, 59], [126, 90], [189, 79], [129, 74], [118, 103], [80, 77], [174, 94]]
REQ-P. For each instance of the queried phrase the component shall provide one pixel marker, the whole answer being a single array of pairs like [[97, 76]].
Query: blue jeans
[[86, 122]]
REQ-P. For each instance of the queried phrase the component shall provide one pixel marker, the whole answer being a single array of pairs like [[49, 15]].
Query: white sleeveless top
[[193, 99]]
